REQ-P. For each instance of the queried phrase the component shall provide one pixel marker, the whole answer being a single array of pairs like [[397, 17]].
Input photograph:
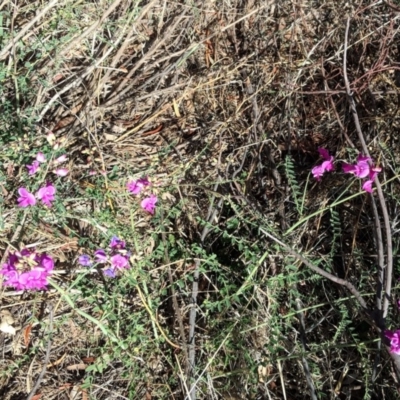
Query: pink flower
[[46, 194], [32, 169], [394, 338], [149, 203], [61, 159], [135, 187], [40, 157], [362, 169], [27, 270], [326, 165], [26, 199], [117, 243], [61, 171], [118, 261]]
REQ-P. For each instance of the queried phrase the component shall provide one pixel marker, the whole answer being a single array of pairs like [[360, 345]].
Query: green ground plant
[[223, 107]]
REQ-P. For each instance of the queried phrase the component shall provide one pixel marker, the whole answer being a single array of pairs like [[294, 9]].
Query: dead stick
[[389, 251], [322, 272]]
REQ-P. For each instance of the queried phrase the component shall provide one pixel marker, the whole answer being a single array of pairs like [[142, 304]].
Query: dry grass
[[208, 99]]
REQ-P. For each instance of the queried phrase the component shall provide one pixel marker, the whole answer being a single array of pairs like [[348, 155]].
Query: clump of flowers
[[41, 158], [45, 194], [394, 338], [25, 198], [113, 259], [363, 168], [27, 270], [34, 167], [136, 186], [326, 166]]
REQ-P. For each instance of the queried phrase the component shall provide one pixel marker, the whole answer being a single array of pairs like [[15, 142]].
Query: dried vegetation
[[225, 104]]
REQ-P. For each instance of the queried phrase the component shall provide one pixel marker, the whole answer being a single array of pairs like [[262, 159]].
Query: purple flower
[[149, 203], [41, 157], [363, 169], [85, 260], [26, 199], [109, 272], [100, 256], [32, 169], [118, 261], [46, 262], [46, 194], [27, 270], [367, 186], [326, 165], [117, 243], [360, 169], [61, 171], [135, 187], [394, 338]]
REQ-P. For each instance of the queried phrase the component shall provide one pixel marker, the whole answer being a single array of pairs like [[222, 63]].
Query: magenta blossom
[[149, 203], [32, 169], [363, 169], [27, 270], [326, 165], [26, 199], [394, 338], [367, 185], [112, 259], [135, 187], [119, 261], [117, 243], [46, 194]]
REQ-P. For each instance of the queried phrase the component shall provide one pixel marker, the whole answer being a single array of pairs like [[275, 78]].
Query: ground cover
[[161, 163]]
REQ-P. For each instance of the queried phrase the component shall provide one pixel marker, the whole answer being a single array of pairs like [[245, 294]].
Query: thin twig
[[83, 75], [175, 304], [3, 53], [14, 238], [322, 272], [88, 31], [388, 233], [195, 290], [47, 357], [303, 342]]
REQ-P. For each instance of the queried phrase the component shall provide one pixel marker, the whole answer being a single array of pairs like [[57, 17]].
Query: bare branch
[[389, 251], [321, 272]]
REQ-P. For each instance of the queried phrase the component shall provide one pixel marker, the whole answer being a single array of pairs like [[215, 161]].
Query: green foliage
[[336, 231], [298, 196]]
